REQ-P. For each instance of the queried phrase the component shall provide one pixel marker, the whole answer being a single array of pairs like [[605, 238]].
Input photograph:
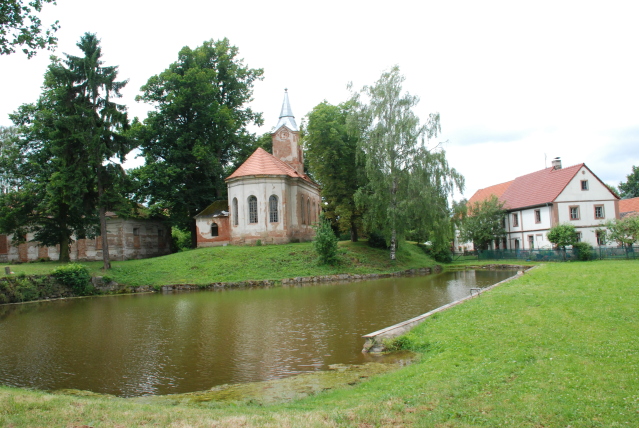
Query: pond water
[[151, 344]]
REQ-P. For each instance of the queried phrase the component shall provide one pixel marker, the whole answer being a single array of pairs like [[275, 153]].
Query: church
[[270, 199]]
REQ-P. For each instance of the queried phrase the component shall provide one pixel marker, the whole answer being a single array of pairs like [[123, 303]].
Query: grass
[[239, 263], [556, 348]]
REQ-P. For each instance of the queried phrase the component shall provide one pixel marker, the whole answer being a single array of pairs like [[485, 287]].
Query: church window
[[314, 212], [308, 210], [273, 216], [236, 215], [252, 206], [214, 230], [302, 210]]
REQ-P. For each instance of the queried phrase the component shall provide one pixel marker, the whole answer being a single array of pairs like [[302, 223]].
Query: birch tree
[[408, 182]]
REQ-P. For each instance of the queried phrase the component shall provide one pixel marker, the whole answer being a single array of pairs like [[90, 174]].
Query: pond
[[150, 344]]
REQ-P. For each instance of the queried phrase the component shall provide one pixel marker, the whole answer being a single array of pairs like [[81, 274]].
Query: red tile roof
[[536, 188], [629, 205], [263, 163]]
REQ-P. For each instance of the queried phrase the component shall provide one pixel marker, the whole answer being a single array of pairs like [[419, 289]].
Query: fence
[[598, 253]]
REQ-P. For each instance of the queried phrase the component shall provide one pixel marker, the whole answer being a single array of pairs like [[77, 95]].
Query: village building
[[270, 198], [538, 201], [628, 207], [135, 237]]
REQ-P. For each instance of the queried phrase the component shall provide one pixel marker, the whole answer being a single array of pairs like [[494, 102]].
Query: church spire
[[286, 115]]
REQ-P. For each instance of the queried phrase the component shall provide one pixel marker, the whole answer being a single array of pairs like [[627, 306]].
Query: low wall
[[375, 341]]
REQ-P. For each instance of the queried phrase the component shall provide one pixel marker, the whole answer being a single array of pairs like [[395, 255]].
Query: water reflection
[[162, 344]]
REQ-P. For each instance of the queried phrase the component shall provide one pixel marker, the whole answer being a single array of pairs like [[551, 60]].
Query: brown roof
[[496, 190], [629, 205], [537, 188], [263, 163]]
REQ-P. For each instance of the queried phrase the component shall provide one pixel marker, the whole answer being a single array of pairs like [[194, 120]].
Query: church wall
[[205, 238]]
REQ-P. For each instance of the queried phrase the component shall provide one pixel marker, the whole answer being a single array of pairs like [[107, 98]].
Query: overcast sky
[[516, 83]]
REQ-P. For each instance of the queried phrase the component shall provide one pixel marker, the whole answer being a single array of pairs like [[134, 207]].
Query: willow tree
[[409, 181]]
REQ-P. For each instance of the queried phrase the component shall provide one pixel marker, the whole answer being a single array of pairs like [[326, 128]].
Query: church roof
[[263, 163], [286, 115]]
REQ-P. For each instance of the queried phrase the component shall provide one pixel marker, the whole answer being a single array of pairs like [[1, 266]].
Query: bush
[[181, 239], [377, 240], [439, 254], [325, 242], [583, 251], [76, 277]]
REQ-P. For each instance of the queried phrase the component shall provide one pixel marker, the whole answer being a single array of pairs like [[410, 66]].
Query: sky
[[516, 83]]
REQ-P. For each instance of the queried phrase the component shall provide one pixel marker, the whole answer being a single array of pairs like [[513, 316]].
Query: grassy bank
[[555, 348], [235, 263]]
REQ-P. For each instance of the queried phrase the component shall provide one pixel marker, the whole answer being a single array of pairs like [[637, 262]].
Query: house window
[[599, 211], [214, 230], [601, 238], [578, 236], [272, 209], [515, 220], [584, 184], [537, 216], [136, 231], [531, 242], [236, 215], [574, 213], [252, 206]]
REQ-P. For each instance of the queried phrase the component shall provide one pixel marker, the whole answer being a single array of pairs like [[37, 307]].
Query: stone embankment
[[302, 280]]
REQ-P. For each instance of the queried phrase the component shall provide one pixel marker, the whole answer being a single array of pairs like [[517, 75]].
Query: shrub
[[76, 277], [377, 240], [583, 251], [181, 239], [325, 242]]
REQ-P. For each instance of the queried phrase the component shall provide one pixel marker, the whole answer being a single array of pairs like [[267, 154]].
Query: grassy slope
[[233, 263], [555, 348]]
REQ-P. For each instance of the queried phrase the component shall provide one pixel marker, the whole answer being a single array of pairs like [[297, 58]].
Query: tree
[[563, 235], [197, 132], [624, 232], [20, 26], [408, 183], [67, 140], [483, 223], [332, 155], [325, 242], [9, 158], [630, 188]]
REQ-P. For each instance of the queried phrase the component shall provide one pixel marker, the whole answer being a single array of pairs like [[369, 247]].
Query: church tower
[[286, 138]]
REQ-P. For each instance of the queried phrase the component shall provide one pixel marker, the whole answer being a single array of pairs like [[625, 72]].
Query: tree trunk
[[393, 244], [106, 262], [354, 236], [193, 230], [64, 249]]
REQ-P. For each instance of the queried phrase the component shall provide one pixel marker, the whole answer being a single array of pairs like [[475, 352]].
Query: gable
[[595, 189]]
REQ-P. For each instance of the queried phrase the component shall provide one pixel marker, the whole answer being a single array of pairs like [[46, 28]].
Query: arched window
[[214, 230], [273, 216], [314, 213], [308, 211], [302, 210], [236, 216], [252, 208]]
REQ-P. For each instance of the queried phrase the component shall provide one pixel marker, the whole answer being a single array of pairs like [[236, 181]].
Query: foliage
[[325, 242], [331, 150], [562, 235], [377, 240], [438, 253], [181, 239], [630, 188], [76, 277], [483, 223], [624, 232], [198, 131], [66, 141], [20, 26], [10, 158], [583, 251], [408, 182]]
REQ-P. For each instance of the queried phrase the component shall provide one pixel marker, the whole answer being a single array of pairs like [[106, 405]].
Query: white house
[[270, 198], [538, 201]]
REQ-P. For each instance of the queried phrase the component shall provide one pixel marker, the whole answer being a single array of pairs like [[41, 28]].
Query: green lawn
[[240, 263], [555, 348]]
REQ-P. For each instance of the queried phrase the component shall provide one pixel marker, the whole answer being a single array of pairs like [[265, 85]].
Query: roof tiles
[[628, 205], [263, 163]]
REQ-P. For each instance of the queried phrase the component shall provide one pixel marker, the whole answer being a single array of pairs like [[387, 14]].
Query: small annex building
[[628, 207], [133, 237], [270, 198], [538, 201]]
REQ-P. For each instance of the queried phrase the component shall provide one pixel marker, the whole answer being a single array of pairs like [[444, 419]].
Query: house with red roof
[[538, 201], [270, 198], [628, 207]]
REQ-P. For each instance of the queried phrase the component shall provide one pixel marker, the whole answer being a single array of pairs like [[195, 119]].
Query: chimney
[[556, 163]]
